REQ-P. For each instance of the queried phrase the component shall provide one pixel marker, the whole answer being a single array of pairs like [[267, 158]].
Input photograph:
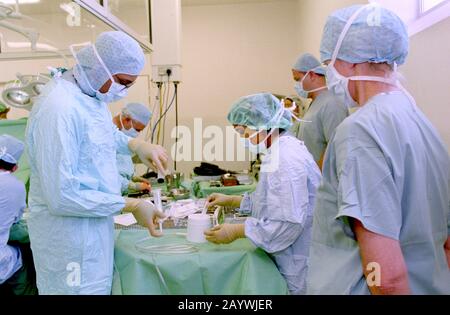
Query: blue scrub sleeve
[[366, 189], [121, 141], [56, 161], [271, 235], [280, 207]]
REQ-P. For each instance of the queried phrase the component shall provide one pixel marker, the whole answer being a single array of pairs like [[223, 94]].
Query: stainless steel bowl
[[180, 193]]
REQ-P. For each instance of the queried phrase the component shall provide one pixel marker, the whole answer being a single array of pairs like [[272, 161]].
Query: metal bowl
[[180, 193]]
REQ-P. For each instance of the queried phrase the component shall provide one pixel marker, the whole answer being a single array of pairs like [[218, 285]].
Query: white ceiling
[[218, 2]]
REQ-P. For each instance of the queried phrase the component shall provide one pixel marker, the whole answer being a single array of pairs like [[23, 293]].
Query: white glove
[[139, 186], [152, 155], [145, 214], [139, 179], [225, 233], [223, 200]]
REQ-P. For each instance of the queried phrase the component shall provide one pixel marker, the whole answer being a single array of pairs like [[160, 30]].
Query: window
[[130, 16], [429, 4], [418, 15]]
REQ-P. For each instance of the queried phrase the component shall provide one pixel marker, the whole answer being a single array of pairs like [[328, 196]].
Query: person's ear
[[14, 168]]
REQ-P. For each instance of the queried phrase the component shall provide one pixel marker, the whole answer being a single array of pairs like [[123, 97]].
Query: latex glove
[[139, 186], [145, 214], [223, 200], [139, 179], [225, 233], [152, 155]]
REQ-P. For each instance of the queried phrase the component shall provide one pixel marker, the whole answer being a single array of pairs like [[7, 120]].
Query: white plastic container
[[197, 224], [157, 199]]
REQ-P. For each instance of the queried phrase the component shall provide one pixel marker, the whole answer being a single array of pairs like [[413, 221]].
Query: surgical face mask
[[244, 142], [299, 87], [300, 91], [116, 91], [261, 146], [133, 133], [338, 84], [256, 148]]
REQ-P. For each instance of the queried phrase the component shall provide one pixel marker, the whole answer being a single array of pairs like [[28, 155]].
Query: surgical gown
[[126, 170], [74, 190], [388, 168], [324, 114], [12, 204], [282, 209]]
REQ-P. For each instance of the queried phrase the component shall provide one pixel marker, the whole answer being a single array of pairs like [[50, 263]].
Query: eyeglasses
[[240, 130], [245, 131], [126, 83]]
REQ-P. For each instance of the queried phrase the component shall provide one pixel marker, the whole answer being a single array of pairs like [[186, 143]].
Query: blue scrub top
[[387, 167], [125, 167], [325, 113], [12, 204]]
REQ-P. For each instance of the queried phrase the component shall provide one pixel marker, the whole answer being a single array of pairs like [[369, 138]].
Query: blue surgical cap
[[11, 149], [259, 111], [308, 62], [120, 53], [377, 35], [138, 112]]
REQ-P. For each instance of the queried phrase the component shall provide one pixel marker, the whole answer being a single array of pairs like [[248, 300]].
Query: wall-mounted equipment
[[166, 27]]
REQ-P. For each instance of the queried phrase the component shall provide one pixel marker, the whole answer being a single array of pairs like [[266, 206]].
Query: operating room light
[[20, 1], [28, 45]]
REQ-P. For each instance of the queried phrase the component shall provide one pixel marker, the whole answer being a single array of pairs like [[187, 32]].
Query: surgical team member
[[281, 208], [382, 209], [132, 120], [17, 274], [74, 189], [326, 111]]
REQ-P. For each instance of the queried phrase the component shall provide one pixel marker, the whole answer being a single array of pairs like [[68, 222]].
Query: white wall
[[232, 50], [311, 17], [427, 73]]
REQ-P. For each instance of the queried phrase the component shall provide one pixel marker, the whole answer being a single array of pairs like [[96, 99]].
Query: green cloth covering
[[234, 269], [16, 128], [204, 189], [19, 232], [23, 282]]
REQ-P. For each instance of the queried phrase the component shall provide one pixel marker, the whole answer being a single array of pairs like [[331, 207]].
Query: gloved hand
[[152, 155], [145, 214], [139, 186], [225, 233], [223, 200], [139, 179]]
